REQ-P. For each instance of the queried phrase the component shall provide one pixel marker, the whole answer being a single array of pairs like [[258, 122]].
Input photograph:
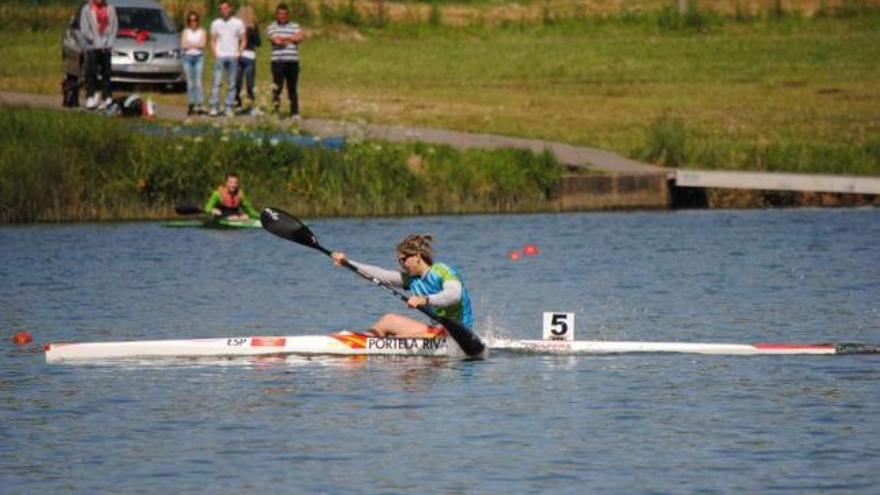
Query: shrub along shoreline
[[62, 166], [71, 167]]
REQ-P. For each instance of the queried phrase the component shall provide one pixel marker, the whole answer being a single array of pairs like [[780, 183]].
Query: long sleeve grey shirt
[[91, 36], [451, 293]]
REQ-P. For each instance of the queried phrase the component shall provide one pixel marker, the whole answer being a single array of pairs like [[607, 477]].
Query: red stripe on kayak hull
[[268, 341]]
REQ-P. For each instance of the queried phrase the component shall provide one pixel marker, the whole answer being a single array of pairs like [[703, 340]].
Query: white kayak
[[609, 347], [356, 344]]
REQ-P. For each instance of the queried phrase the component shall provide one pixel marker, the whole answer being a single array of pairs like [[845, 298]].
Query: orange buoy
[[530, 250], [22, 338]]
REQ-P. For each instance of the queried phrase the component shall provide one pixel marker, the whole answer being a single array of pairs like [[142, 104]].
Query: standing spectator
[[247, 63], [285, 37], [193, 42], [98, 25], [227, 43]]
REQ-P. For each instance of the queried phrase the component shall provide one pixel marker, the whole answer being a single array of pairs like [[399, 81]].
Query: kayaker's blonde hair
[[418, 244]]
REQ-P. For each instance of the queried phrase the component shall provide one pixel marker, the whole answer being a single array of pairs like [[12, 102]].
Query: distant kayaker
[[436, 285], [229, 202]]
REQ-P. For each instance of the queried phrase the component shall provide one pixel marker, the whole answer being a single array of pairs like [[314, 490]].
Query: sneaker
[[91, 102], [229, 112], [256, 112], [191, 110], [213, 112], [295, 118], [106, 103]]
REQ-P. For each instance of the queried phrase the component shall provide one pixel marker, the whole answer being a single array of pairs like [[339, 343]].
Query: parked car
[[146, 51]]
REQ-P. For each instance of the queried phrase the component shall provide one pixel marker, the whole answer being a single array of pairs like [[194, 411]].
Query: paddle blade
[[288, 227], [470, 342], [188, 210]]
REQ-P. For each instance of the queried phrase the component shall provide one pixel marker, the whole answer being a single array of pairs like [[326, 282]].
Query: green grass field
[[793, 94]]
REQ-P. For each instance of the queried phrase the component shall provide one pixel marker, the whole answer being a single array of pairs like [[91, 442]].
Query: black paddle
[[289, 227], [185, 209]]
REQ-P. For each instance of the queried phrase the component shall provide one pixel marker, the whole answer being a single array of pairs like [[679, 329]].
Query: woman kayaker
[[229, 202], [436, 285]]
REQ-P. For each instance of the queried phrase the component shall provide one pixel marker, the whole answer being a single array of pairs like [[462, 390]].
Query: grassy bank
[[59, 166], [728, 86]]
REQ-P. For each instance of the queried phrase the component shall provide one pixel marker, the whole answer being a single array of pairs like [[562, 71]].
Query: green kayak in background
[[220, 223]]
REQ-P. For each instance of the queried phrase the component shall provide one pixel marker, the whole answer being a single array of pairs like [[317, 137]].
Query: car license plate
[[144, 68], [137, 68]]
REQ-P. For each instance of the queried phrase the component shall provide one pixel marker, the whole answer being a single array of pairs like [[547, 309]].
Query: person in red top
[[229, 202], [98, 27]]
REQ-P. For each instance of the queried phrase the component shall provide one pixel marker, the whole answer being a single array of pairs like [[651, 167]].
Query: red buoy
[[531, 250], [22, 338], [514, 255]]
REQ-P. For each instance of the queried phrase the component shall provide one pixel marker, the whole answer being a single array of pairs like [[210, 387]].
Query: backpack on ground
[[70, 92]]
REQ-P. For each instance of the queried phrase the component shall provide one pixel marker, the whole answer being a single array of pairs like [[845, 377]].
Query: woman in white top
[[193, 41]]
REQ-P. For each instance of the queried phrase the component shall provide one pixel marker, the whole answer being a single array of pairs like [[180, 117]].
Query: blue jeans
[[229, 65], [247, 71], [193, 67]]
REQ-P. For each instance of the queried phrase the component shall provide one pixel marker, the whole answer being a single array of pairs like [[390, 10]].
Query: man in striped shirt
[[285, 37]]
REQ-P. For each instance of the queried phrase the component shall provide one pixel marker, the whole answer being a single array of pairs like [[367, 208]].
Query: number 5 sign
[[558, 326]]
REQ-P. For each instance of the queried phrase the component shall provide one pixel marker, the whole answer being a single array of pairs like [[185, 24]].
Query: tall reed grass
[[71, 166]]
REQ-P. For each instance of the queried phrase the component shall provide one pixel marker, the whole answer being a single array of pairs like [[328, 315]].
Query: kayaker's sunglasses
[[403, 257]]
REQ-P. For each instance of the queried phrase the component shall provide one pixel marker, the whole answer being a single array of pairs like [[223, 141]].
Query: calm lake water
[[518, 424]]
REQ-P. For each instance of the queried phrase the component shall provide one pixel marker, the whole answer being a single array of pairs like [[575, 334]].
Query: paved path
[[578, 156]]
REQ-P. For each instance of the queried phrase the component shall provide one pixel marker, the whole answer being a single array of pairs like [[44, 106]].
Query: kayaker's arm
[[381, 274], [450, 295], [212, 203], [248, 208]]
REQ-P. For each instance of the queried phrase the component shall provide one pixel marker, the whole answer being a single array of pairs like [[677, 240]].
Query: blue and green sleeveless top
[[432, 283]]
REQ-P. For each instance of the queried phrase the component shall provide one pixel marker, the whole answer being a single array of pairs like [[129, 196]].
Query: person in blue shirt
[[433, 284]]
